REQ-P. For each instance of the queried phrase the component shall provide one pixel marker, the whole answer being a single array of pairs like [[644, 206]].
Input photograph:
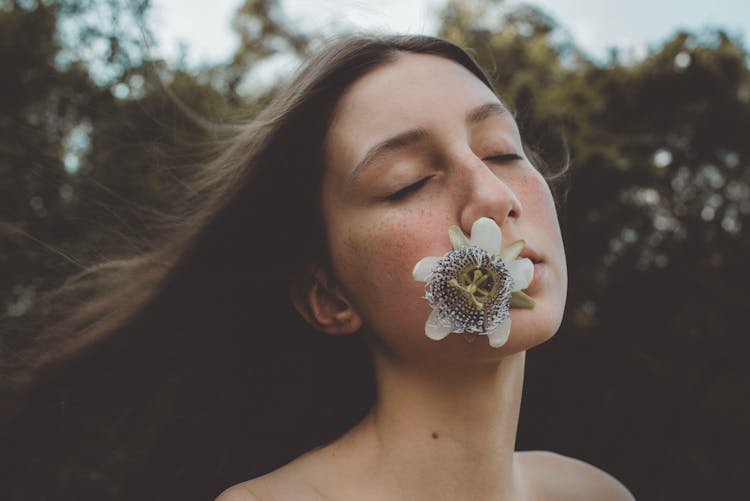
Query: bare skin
[[367, 465], [544, 476], [445, 420]]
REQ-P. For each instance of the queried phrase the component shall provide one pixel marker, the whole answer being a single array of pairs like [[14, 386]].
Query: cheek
[[537, 200], [541, 226], [374, 258], [543, 223]]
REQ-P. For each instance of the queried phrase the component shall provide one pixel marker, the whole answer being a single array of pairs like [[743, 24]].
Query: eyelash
[[508, 157], [405, 191]]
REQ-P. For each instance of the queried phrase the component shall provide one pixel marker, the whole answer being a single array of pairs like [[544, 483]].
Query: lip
[[540, 267], [531, 254]]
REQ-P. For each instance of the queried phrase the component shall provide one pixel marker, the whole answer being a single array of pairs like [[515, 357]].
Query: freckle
[[434, 434]]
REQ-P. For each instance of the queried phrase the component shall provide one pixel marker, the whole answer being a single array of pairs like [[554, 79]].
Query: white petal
[[499, 336], [485, 233], [433, 329], [422, 268], [522, 271]]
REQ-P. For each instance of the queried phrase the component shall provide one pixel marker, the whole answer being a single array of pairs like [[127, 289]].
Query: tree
[[95, 161]]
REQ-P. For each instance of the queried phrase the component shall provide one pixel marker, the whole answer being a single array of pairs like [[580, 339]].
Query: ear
[[323, 304]]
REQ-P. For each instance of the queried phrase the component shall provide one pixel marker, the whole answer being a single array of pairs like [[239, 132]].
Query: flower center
[[477, 284], [471, 290]]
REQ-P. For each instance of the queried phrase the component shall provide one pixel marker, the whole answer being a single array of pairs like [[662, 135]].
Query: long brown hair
[[184, 370]]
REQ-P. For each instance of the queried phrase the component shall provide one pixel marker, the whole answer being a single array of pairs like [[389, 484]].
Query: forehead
[[416, 90]]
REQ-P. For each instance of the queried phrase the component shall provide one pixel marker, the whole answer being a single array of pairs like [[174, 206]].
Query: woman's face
[[461, 158]]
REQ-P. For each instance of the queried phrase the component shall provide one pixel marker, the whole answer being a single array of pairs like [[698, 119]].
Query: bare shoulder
[[251, 490], [237, 493], [554, 476], [274, 486], [290, 482]]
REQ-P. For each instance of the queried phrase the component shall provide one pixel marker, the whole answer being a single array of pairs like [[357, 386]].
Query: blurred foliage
[[85, 164], [646, 377]]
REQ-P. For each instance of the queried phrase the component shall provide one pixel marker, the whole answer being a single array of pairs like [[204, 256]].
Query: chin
[[531, 327]]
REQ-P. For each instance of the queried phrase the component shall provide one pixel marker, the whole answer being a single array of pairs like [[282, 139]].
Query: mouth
[[530, 253], [540, 268]]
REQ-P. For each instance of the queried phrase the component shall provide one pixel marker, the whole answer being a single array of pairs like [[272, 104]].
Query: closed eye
[[405, 191], [507, 157]]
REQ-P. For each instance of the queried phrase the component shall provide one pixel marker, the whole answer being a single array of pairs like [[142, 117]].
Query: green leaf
[[511, 251], [520, 299]]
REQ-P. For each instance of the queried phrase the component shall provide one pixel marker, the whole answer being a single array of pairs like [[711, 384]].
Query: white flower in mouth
[[472, 287]]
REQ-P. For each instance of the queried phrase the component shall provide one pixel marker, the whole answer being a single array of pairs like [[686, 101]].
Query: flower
[[472, 287]]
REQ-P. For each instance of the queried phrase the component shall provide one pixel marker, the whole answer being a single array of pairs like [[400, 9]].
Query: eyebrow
[[418, 134]]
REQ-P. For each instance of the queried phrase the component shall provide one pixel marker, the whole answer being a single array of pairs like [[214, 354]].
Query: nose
[[484, 193]]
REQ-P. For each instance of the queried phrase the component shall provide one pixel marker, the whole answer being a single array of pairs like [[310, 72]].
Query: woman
[[444, 422], [311, 207]]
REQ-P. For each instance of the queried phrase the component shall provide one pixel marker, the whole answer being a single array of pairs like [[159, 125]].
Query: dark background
[[647, 377]]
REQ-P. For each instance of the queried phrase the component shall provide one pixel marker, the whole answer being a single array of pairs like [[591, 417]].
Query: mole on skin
[[434, 434]]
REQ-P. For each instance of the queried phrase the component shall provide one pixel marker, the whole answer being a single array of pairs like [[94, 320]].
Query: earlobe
[[322, 303]]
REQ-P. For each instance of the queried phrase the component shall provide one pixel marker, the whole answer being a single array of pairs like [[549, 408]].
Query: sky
[[596, 25]]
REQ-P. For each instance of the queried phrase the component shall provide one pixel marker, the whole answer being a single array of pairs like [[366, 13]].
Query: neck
[[439, 434]]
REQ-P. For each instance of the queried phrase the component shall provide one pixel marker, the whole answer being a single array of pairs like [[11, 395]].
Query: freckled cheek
[[385, 292], [383, 258], [539, 206], [377, 264], [540, 203]]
